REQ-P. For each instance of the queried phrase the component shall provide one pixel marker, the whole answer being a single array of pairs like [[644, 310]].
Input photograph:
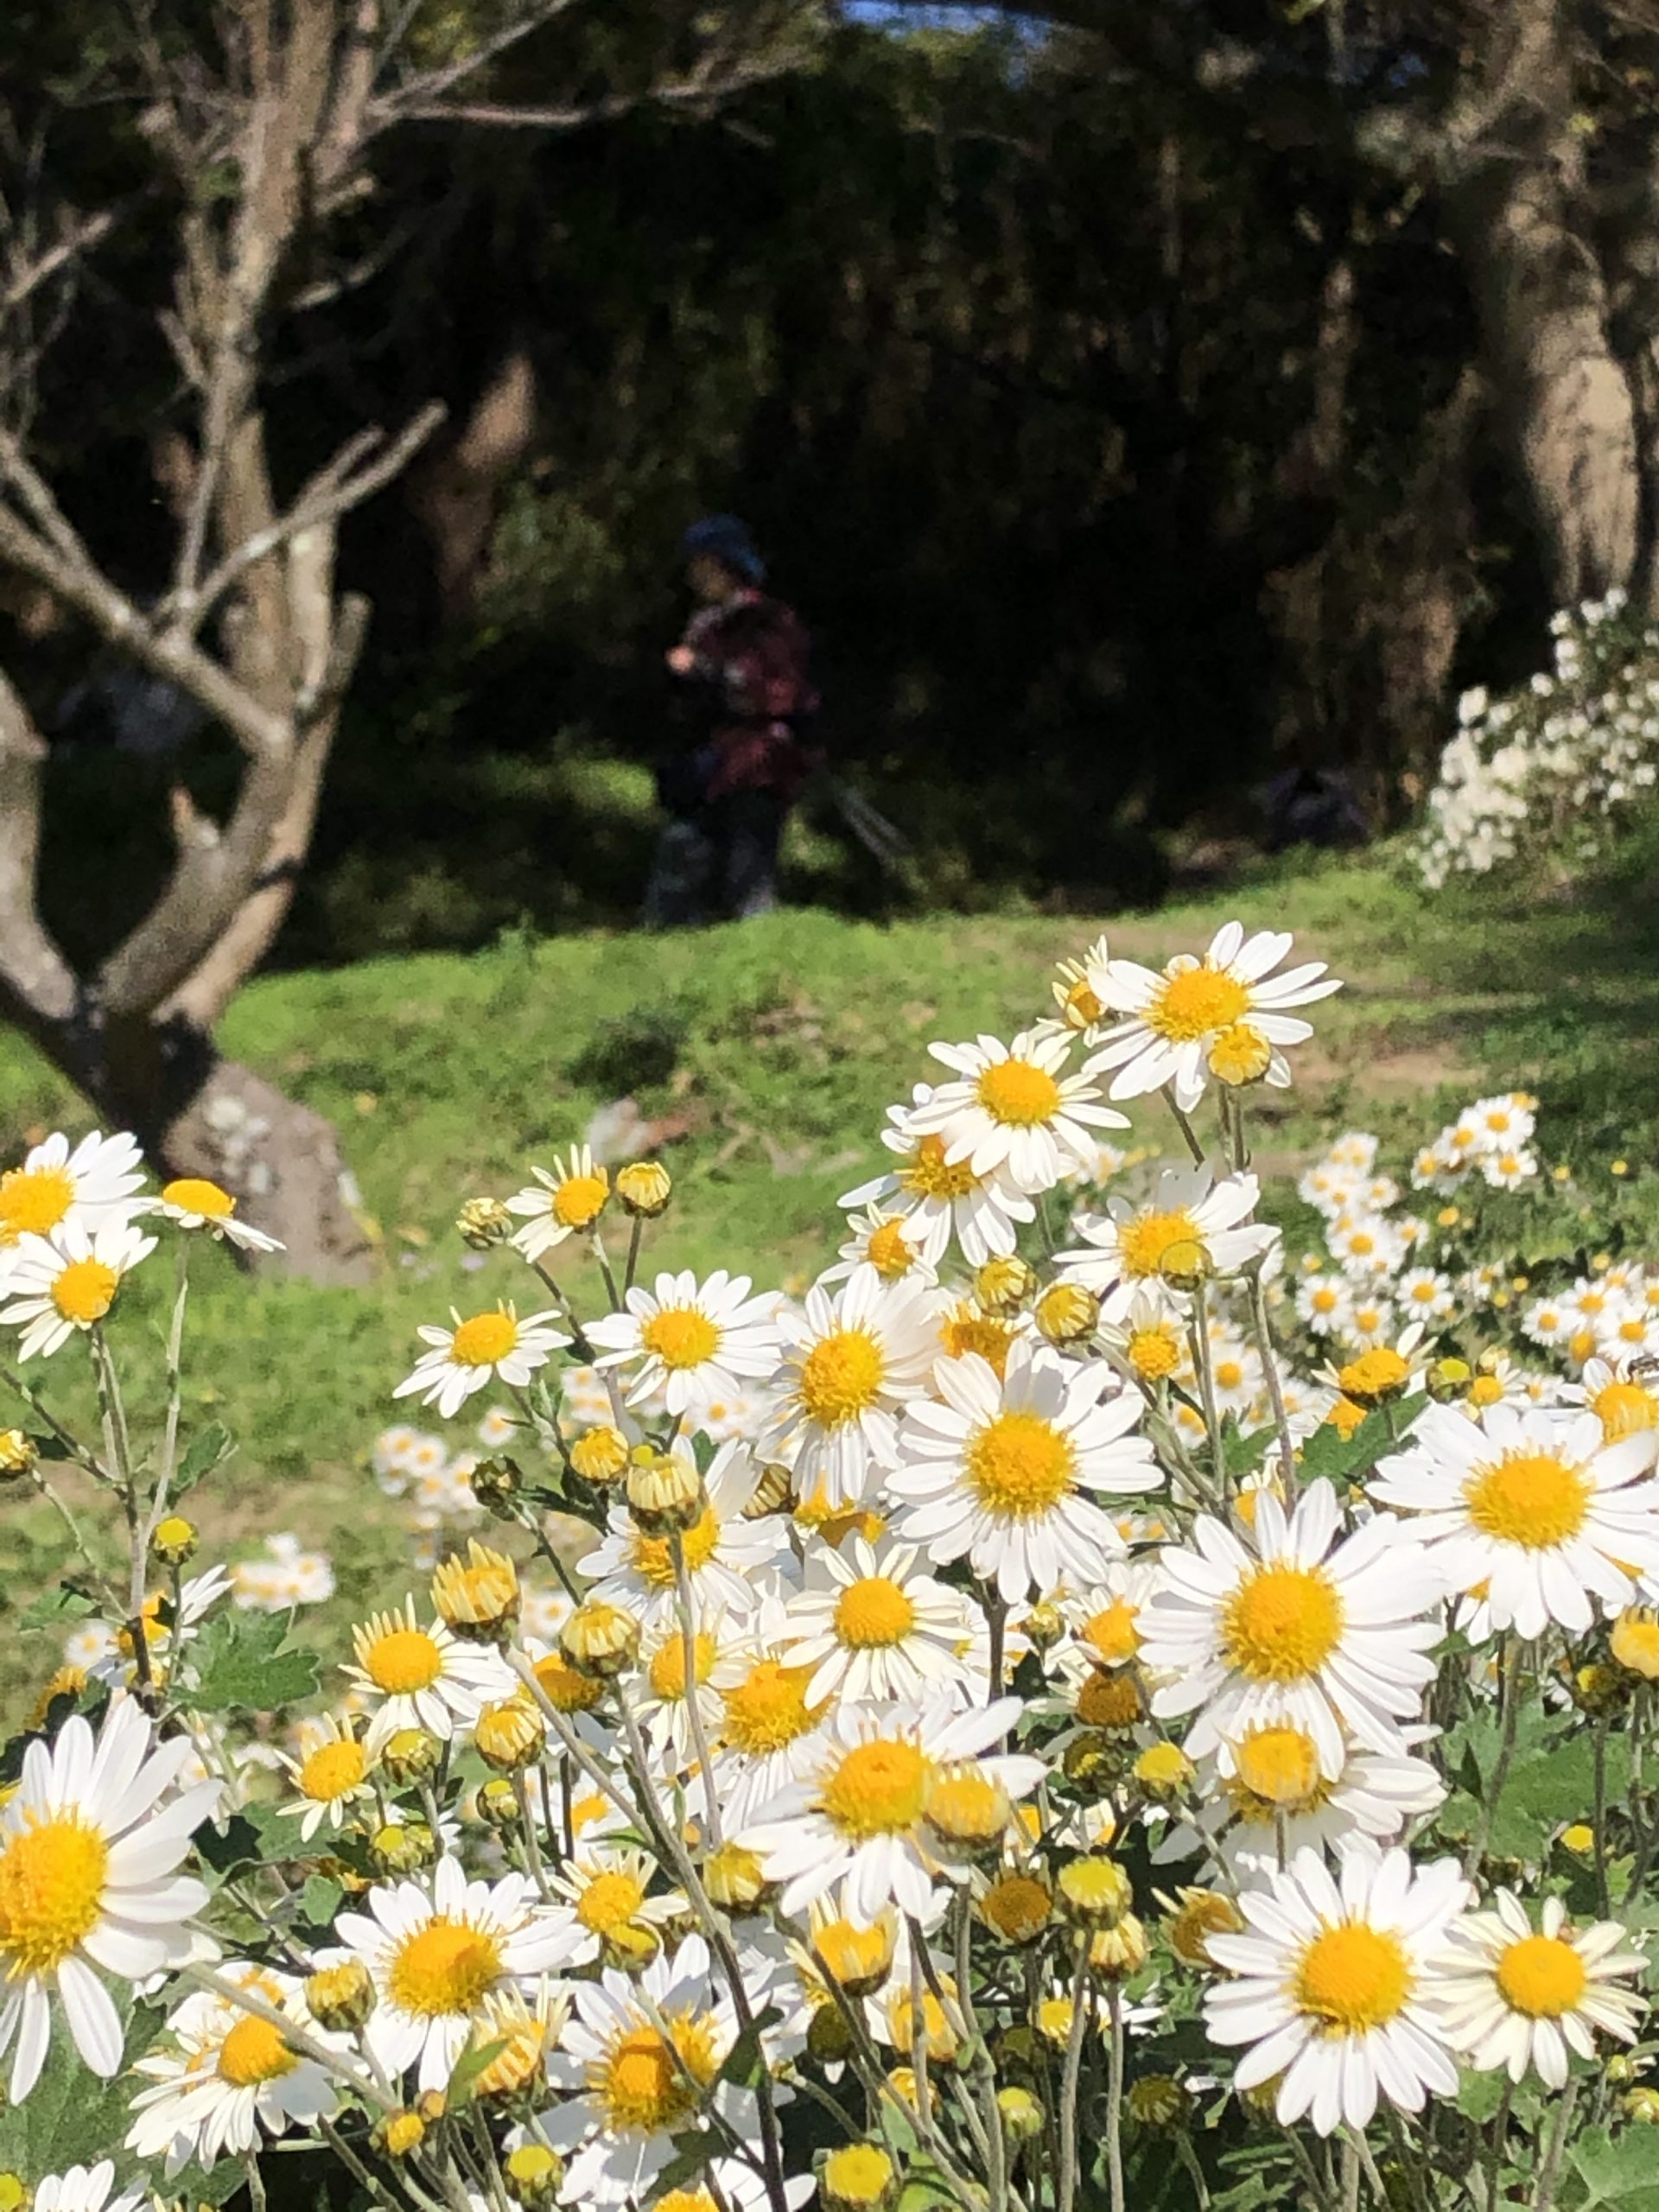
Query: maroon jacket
[[755, 651]]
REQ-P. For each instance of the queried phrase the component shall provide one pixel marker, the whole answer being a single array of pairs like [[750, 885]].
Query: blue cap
[[726, 539]]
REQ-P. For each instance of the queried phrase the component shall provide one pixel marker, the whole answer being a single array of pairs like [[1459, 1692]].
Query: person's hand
[[681, 660]]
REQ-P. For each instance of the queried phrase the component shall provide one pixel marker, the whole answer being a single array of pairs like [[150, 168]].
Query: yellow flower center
[[609, 1900], [1529, 1498], [969, 1806], [1193, 1001], [666, 1673], [1377, 1374], [51, 1879], [888, 1252], [33, 1201], [448, 1966], [1281, 1765], [1240, 1055], [1019, 1467], [192, 1194], [854, 1953], [1081, 1005], [930, 1176], [1486, 1390], [653, 1556], [877, 1788], [1344, 1417], [85, 1291], [1229, 1374], [1541, 1976], [966, 1330], [254, 2052], [874, 1614], [1109, 1700], [1353, 1978], [768, 1708], [681, 1336], [1018, 1907], [1623, 1409], [402, 1660], [1018, 1093], [1281, 1623], [333, 1770], [566, 1690], [685, 2200], [485, 1339], [1153, 1241], [642, 2080], [1155, 1353], [1111, 1634], [934, 2028], [1635, 1642], [580, 1200], [842, 1376]]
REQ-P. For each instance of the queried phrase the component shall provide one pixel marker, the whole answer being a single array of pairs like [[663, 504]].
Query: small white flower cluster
[[1546, 768], [286, 1575]]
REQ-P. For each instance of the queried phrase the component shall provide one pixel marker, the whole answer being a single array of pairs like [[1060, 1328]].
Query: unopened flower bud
[[858, 2177], [600, 1455], [1200, 1914], [409, 1755], [509, 1735], [496, 1482], [1018, 1906], [1164, 1771], [403, 1847], [483, 1223], [432, 2104], [1002, 1285], [477, 1597], [175, 1540], [858, 1954], [1067, 1313], [1641, 2105], [644, 1187], [496, 1803], [16, 2195], [1093, 1764], [534, 2175], [966, 1814], [396, 2134], [340, 1998], [1117, 1953], [1449, 1381], [1044, 1625], [1620, 2070], [1094, 1891], [1186, 1264], [1599, 1689], [1580, 1838], [1022, 2115], [665, 1492], [18, 1457], [733, 1878], [1158, 2100], [600, 1639], [630, 1947], [829, 2038]]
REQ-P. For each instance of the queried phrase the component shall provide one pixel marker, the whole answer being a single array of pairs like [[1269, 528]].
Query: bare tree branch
[[36, 982], [431, 84], [684, 92]]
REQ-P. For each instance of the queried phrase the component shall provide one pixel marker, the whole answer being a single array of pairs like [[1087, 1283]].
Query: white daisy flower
[[1365, 1247], [86, 2189], [850, 1365], [1371, 1324], [1000, 1472], [869, 1627], [1013, 1111], [766, 1736], [330, 1774], [67, 1282], [1629, 1330], [1425, 1293], [941, 1198], [566, 1203], [633, 2092], [223, 2078], [496, 1428], [690, 1341], [1275, 1801], [732, 1563], [416, 1676], [1237, 1372], [1622, 1405], [605, 1887], [1324, 1632], [1196, 1220], [496, 1346], [1222, 1017], [1508, 1169], [56, 1187], [887, 1247], [857, 1819], [1332, 1985], [89, 1841], [435, 1957], [394, 1449], [193, 1203], [1508, 1995], [661, 1703], [1532, 1504], [1325, 1302]]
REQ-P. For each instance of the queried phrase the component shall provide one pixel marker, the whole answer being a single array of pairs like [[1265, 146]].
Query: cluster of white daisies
[[1550, 767], [861, 1729]]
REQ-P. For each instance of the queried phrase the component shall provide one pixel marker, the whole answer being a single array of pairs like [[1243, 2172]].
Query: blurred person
[[745, 662]]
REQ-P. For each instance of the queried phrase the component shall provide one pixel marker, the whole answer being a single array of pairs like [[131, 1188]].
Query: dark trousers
[[718, 864]]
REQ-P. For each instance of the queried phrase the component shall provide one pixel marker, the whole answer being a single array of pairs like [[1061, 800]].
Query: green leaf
[[70, 2117], [467, 2068], [321, 1899], [743, 2060], [209, 1448], [1343, 1459], [244, 1662], [63, 1602], [1616, 2170], [257, 1836], [1241, 1454]]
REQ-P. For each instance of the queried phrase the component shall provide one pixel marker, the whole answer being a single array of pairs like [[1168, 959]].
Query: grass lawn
[[776, 1044]]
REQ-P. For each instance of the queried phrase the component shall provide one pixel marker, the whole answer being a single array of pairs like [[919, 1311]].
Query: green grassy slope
[[778, 1044]]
